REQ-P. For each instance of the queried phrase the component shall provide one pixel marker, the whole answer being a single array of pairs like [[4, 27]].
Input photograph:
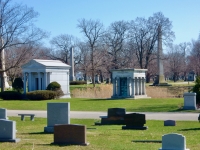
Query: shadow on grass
[[39, 133], [189, 129], [147, 141]]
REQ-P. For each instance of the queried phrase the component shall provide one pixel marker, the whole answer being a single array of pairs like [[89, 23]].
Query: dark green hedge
[[41, 95], [77, 82], [10, 95]]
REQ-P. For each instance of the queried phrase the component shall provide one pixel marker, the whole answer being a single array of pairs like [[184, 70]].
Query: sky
[[61, 16]]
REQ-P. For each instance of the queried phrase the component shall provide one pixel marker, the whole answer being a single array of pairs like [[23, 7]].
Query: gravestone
[[115, 116], [8, 131], [57, 113], [169, 123], [173, 141], [134, 121], [189, 101], [70, 134], [3, 113]]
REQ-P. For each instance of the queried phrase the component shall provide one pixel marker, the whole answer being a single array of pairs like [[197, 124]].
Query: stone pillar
[[129, 86], [133, 88], [136, 86], [161, 78], [68, 91], [72, 77], [143, 86], [118, 88], [114, 86], [24, 74], [39, 81], [140, 85], [29, 81], [45, 81]]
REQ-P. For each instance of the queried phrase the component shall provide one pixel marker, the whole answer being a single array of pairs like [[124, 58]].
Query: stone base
[[66, 96], [134, 128], [81, 144], [9, 140], [49, 129], [130, 97], [189, 107]]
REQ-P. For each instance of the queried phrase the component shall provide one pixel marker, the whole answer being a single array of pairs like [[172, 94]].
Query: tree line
[[123, 44]]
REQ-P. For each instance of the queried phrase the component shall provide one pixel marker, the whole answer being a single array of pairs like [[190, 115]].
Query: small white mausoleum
[[39, 73], [129, 83]]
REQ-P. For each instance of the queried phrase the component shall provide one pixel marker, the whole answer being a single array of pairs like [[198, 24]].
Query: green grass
[[83, 104], [102, 137]]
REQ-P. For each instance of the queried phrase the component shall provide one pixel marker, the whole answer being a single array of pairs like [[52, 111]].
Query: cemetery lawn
[[107, 137], [84, 104]]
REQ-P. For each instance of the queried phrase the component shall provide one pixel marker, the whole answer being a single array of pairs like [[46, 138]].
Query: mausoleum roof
[[51, 62]]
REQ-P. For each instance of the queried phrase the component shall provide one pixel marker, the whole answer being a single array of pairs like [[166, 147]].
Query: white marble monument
[[39, 73], [173, 141], [129, 83]]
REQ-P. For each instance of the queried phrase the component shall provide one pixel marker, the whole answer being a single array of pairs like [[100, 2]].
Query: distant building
[[191, 76], [39, 73]]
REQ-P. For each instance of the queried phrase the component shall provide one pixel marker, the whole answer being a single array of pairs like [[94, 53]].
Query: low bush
[[196, 89], [77, 82], [18, 85], [41, 95], [10, 95], [55, 86]]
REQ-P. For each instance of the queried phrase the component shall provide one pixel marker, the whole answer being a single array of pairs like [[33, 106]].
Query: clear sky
[[61, 16]]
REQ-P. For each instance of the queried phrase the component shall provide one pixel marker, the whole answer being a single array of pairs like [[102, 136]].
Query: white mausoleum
[[129, 83], [39, 73]]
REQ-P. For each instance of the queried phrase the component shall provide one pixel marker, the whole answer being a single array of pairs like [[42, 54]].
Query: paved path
[[95, 115]]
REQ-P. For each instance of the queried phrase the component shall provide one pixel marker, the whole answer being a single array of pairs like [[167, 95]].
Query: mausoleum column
[[39, 81], [118, 86], [45, 81], [24, 75], [140, 85], [129, 86], [133, 88], [68, 91], [136, 86], [114, 86], [29, 81], [143, 86]]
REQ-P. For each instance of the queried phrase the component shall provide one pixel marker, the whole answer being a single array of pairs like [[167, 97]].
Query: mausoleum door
[[123, 86]]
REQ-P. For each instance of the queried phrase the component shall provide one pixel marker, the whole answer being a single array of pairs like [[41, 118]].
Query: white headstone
[[189, 101], [57, 113], [8, 131], [173, 141], [3, 113]]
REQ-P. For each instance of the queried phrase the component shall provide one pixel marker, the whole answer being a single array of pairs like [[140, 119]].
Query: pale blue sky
[[61, 16]]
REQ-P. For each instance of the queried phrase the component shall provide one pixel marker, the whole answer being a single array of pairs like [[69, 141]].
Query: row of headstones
[[58, 122]]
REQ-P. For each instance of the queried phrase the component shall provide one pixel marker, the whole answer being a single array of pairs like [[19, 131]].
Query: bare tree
[[61, 47], [143, 37], [93, 31], [16, 28], [115, 40]]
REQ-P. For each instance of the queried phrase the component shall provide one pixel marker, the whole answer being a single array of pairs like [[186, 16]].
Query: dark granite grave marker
[[134, 121], [70, 134], [115, 117]]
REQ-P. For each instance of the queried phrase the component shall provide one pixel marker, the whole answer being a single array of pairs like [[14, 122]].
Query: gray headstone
[[57, 113], [8, 131], [169, 123], [173, 141], [189, 101], [3, 113]]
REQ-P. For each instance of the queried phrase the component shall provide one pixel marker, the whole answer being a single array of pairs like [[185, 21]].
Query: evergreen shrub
[[196, 89], [18, 85], [77, 82], [41, 95], [55, 86], [10, 95]]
